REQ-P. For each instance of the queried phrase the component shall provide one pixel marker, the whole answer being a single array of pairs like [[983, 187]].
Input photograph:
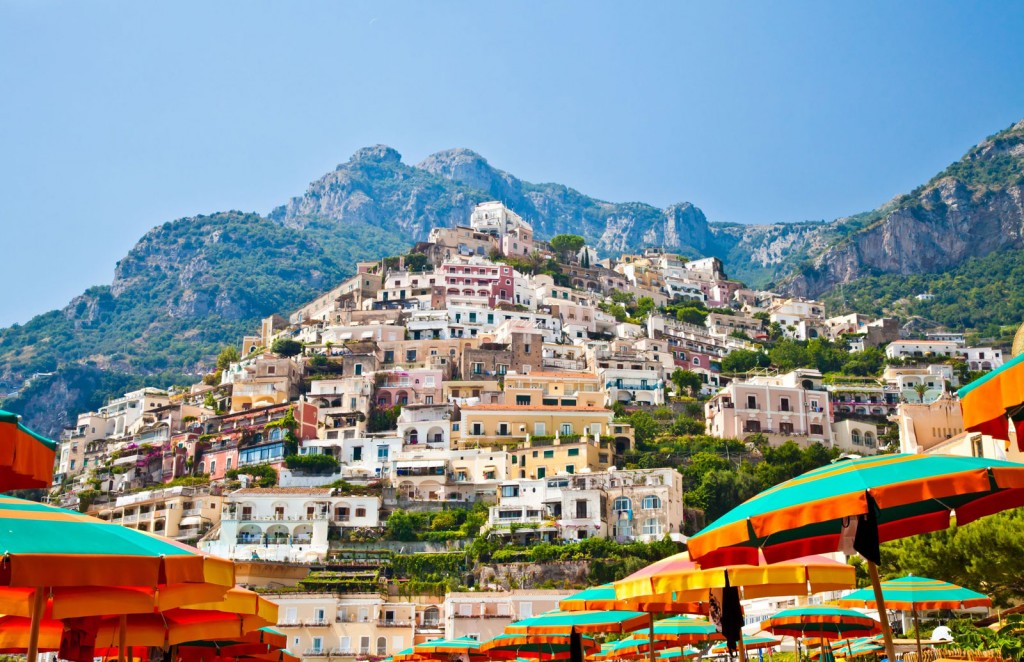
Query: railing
[[277, 518], [316, 623], [391, 623], [315, 652], [130, 519]]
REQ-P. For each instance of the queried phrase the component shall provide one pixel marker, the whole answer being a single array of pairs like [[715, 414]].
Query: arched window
[[651, 502], [696, 361], [414, 436], [382, 646], [652, 527], [855, 437], [622, 504], [869, 439]]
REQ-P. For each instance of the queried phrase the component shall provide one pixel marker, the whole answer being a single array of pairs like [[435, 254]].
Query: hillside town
[[484, 389]]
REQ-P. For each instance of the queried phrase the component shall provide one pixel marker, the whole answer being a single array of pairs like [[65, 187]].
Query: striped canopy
[[533, 647], [26, 458], [750, 643], [631, 647], [44, 546], [678, 575], [603, 598], [568, 622], [680, 629], [678, 653], [821, 621], [990, 402], [441, 649], [916, 594], [906, 495]]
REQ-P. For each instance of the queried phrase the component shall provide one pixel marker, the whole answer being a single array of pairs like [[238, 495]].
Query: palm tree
[[920, 389]]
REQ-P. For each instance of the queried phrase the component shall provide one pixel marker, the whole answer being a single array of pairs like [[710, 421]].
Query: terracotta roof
[[472, 408], [256, 491]]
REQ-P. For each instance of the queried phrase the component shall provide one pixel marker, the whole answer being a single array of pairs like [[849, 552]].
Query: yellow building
[[566, 389], [510, 424], [544, 458], [181, 513], [455, 389]]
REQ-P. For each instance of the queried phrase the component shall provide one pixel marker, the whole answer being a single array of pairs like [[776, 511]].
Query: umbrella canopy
[[569, 622], [26, 458], [678, 574], [680, 629], [898, 495], [78, 601], [46, 546], [534, 647], [447, 647], [821, 621], [631, 647], [603, 598], [678, 653], [750, 643], [916, 594], [990, 402]]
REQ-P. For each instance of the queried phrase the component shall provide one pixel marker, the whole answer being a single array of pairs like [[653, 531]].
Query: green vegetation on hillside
[[982, 294]]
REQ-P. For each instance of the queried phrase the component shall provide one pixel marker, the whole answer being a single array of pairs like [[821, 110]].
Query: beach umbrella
[[442, 649], [726, 586], [26, 458], [48, 549], [683, 630], [575, 623], [992, 401], [534, 646], [678, 653], [603, 598], [914, 594], [633, 646], [853, 505], [749, 643], [824, 621]]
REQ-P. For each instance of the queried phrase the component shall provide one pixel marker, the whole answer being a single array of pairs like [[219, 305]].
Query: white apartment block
[[782, 407]]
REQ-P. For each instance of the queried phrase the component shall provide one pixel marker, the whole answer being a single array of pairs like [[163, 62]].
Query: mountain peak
[[377, 154]]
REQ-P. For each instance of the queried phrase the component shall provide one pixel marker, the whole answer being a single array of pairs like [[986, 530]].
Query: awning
[[344, 336], [367, 334], [191, 520]]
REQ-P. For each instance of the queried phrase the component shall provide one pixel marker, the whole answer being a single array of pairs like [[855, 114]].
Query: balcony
[[316, 623], [392, 623], [315, 652], [629, 386]]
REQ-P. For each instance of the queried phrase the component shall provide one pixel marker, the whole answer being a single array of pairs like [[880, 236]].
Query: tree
[[416, 262], [286, 347], [744, 360], [644, 305], [691, 315], [687, 380], [227, 356], [567, 245], [975, 555], [644, 427], [402, 526], [585, 259], [920, 389]]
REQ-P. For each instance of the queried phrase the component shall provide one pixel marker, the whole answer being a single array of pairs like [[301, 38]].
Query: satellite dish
[[942, 633]]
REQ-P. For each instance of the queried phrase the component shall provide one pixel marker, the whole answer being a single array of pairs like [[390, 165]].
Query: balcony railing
[[392, 623]]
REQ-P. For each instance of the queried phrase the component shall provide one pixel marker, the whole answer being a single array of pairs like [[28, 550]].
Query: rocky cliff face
[[974, 207]]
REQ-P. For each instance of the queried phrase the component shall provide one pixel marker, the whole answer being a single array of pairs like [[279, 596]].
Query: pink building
[[496, 282], [419, 386], [793, 406]]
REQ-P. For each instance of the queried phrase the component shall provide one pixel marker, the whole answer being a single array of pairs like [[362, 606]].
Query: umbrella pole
[[122, 635], [38, 605], [650, 638], [917, 633], [883, 616], [742, 647]]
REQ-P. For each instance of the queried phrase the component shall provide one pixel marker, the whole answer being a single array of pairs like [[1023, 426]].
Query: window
[[622, 505], [652, 527], [341, 514], [382, 453], [696, 361], [522, 400], [318, 644], [319, 615], [786, 428], [389, 356], [784, 404], [509, 490], [357, 453], [359, 368], [651, 502], [855, 438], [465, 609], [477, 428], [581, 509], [566, 428], [539, 429], [213, 466], [360, 512], [570, 468], [410, 355], [573, 452], [478, 368], [382, 646], [542, 472], [227, 464], [290, 616], [363, 616], [364, 645], [344, 644], [751, 402], [817, 429], [549, 454]]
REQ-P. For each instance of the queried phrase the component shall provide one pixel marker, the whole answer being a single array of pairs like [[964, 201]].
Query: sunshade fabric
[[46, 546], [680, 629], [26, 458], [603, 598], [77, 601], [825, 622], [567, 622], [912, 494], [750, 643], [633, 646], [989, 400], [680, 576], [918, 593], [535, 646]]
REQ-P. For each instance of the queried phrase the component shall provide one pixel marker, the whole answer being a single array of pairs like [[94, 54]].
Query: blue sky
[[115, 117]]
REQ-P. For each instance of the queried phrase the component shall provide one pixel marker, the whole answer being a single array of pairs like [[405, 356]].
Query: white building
[[287, 523], [982, 358], [920, 348]]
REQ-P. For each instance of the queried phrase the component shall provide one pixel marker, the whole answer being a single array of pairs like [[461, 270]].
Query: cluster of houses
[[456, 375]]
